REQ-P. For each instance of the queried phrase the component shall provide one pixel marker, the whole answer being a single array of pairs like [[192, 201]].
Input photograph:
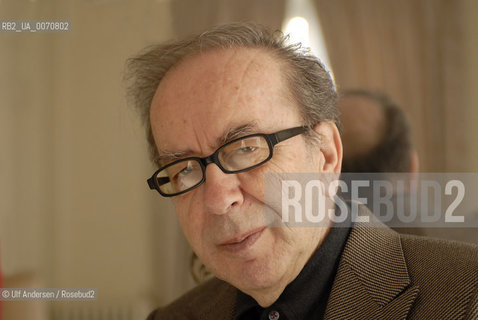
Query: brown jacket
[[381, 275]]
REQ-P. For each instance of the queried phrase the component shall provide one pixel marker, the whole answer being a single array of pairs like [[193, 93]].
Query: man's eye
[[187, 170], [246, 149], [180, 172]]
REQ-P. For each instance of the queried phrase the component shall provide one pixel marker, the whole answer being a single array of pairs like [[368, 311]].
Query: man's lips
[[242, 241]]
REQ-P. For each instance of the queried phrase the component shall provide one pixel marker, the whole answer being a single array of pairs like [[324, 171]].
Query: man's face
[[200, 101]]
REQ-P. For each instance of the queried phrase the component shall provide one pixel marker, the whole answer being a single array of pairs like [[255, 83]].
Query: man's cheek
[[253, 192], [253, 182], [184, 207], [186, 220]]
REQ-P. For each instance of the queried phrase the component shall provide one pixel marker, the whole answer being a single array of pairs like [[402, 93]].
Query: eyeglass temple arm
[[161, 180], [287, 133]]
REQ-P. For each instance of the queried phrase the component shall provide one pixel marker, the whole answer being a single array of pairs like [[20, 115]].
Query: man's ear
[[330, 146]]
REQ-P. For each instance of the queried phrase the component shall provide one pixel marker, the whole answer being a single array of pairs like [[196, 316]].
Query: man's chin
[[252, 276]]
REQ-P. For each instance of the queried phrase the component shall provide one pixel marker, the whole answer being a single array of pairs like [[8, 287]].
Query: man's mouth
[[243, 241]]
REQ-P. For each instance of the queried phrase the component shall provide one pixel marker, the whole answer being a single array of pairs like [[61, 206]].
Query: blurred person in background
[[376, 134], [377, 139]]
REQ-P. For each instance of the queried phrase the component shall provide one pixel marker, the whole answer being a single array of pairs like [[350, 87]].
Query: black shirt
[[306, 296]]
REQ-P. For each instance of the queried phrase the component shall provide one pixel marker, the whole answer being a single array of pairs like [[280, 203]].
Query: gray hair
[[309, 82]]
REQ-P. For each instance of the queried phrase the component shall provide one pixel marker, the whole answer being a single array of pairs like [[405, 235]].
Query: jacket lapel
[[219, 305], [372, 280]]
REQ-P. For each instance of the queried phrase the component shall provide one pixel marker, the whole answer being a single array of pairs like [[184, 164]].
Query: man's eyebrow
[[237, 132], [166, 156]]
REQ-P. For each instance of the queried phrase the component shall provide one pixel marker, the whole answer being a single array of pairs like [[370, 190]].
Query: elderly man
[[227, 107]]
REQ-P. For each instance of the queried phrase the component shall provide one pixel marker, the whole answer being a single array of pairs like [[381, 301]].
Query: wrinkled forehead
[[218, 72], [216, 90]]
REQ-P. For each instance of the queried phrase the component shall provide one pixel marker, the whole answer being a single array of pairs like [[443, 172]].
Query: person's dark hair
[[393, 152], [308, 81]]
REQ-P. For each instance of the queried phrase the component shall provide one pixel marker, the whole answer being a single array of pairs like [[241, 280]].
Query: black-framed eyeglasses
[[236, 156]]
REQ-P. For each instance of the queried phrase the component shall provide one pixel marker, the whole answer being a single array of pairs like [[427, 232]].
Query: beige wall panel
[[75, 207], [415, 50]]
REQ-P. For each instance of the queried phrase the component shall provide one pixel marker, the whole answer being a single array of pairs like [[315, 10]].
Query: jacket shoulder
[[213, 299], [442, 256], [446, 273]]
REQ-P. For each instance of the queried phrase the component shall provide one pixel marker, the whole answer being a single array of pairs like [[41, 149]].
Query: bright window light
[[302, 25], [298, 30]]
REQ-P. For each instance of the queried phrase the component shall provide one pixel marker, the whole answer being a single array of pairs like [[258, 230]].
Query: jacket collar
[[372, 280]]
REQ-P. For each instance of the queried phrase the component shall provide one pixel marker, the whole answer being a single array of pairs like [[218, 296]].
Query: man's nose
[[222, 191]]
